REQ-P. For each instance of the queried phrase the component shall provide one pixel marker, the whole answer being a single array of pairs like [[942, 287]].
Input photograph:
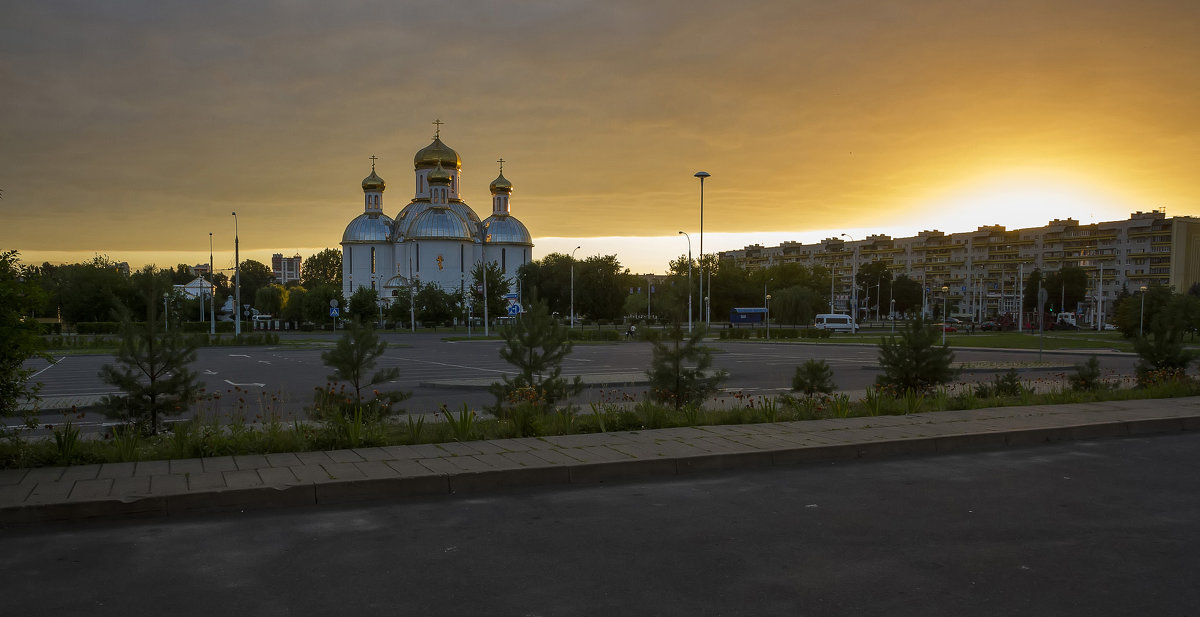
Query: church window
[[350, 259], [504, 259], [372, 284], [461, 254], [372, 260], [418, 260]]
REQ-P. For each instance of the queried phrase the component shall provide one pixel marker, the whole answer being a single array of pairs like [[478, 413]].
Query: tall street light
[[573, 287], [237, 282], [707, 315], [1142, 316], [945, 301], [853, 281], [689, 239], [767, 302], [211, 288]]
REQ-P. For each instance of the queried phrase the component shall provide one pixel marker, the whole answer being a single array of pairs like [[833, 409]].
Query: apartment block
[[983, 269], [285, 269]]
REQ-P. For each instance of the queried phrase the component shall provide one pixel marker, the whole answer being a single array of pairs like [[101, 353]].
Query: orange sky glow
[[134, 129]]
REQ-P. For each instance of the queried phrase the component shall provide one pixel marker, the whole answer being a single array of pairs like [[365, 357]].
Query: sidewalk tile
[[242, 478], [86, 490], [283, 459], [374, 470], [410, 468], [498, 461], [130, 486], [344, 456], [439, 465], [556, 456], [526, 459], [49, 492], [80, 472], [218, 464], [43, 474], [343, 471], [468, 463], [173, 484], [117, 470], [9, 477], [425, 450], [15, 494], [250, 461], [372, 454], [277, 476], [206, 481], [469, 448], [313, 458], [310, 474], [399, 453], [186, 465], [599, 454], [153, 468]]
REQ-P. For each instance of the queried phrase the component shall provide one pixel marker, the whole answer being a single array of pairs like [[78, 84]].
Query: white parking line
[[52, 364]]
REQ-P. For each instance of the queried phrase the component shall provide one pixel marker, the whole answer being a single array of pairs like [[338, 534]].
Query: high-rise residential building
[[983, 269], [285, 269]]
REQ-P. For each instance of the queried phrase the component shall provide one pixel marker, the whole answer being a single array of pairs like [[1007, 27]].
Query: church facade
[[436, 237]]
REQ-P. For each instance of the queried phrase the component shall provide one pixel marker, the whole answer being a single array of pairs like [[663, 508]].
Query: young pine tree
[[535, 344], [151, 363], [355, 355], [679, 370], [913, 360]]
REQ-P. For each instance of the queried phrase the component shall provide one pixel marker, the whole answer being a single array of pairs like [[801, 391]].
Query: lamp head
[[702, 175]]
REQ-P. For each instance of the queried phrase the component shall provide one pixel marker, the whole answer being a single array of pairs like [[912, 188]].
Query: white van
[[837, 323]]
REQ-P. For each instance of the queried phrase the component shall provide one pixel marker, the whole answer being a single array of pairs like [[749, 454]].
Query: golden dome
[[373, 182], [439, 176], [500, 185], [437, 153]]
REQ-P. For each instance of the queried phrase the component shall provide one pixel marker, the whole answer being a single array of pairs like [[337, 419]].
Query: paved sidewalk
[[396, 472]]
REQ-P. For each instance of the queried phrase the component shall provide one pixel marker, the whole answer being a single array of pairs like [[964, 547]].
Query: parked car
[[946, 327], [990, 326]]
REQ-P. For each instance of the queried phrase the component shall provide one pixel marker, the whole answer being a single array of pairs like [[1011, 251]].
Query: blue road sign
[[514, 309], [333, 311]]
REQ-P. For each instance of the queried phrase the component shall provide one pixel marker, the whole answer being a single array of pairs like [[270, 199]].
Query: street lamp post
[[767, 301], [945, 301], [573, 286], [1142, 315], [237, 282], [853, 281], [212, 305], [689, 240], [707, 316]]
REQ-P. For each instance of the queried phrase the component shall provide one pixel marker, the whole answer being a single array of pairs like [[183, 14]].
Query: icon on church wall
[[439, 260]]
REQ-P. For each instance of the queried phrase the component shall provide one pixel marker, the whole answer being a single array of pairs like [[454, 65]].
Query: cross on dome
[[437, 132], [373, 159], [501, 161]]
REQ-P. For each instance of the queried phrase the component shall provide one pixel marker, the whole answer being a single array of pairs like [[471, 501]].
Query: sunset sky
[[133, 129]]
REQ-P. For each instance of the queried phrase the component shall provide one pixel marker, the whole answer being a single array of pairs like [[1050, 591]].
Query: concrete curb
[[951, 436]]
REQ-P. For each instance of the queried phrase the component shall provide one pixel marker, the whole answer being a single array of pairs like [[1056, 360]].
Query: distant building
[[285, 269], [198, 288], [983, 268], [123, 267], [200, 270]]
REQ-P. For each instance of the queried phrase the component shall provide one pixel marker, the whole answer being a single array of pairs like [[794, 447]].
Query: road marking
[[52, 364], [263, 361], [244, 384], [238, 355], [209, 372]]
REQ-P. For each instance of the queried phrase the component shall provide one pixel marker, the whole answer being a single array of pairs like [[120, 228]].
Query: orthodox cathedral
[[436, 238]]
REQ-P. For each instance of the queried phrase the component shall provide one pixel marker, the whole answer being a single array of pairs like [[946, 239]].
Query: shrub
[[912, 359], [814, 377], [1086, 376]]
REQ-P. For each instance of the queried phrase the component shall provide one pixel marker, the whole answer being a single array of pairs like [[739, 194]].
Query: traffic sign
[[514, 309], [333, 303], [333, 311]]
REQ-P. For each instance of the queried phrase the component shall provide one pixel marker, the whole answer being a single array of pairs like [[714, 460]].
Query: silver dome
[[408, 216], [372, 228], [438, 223], [505, 229]]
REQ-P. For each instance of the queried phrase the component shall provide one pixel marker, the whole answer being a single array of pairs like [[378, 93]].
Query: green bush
[[98, 327], [814, 377]]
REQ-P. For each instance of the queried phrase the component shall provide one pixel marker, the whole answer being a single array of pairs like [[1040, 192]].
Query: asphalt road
[[1087, 528], [254, 381]]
